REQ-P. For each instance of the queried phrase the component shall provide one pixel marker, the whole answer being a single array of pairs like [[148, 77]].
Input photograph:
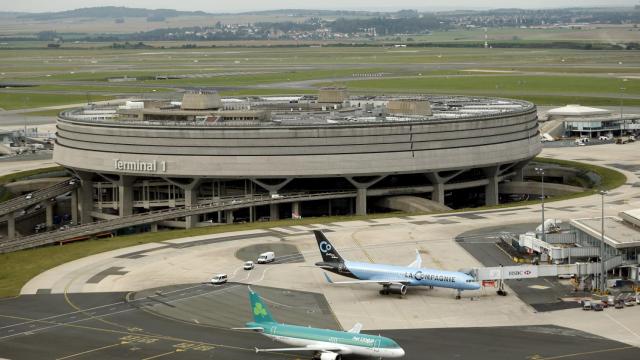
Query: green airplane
[[325, 344]]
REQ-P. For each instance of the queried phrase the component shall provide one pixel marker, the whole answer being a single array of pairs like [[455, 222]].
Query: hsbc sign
[[528, 272], [508, 272]]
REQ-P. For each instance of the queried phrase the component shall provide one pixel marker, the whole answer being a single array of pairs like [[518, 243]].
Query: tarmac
[[121, 325], [79, 308]]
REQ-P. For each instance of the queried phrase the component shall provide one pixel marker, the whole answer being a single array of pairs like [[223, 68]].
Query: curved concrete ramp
[[22, 186], [411, 204], [535, 188], [554, 128]]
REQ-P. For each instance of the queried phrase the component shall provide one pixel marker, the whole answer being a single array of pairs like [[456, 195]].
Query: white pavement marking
[[623, 326]]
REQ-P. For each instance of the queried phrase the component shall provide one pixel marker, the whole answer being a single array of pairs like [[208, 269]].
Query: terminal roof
[[617, 232]]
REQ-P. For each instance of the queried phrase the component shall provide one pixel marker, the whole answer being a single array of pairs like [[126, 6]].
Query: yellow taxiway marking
[[587, 353], [159, 355], [353, 236], [506, 253], [150, 335], [85, 312], [88, 351]]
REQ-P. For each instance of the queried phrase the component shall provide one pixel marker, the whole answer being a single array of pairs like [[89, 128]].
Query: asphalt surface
[[139, 326], [543, 293], [284, 253]]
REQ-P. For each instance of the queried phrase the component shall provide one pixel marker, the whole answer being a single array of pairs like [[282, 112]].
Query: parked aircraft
[[394, 279], [325, 344]]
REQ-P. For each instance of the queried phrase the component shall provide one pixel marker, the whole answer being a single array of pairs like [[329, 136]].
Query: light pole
[[622, 89], [603, 270], [540, 171]]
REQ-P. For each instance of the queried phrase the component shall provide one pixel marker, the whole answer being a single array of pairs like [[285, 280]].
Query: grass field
[[11, 101], [19, 267], [546, 77], [503, 84]]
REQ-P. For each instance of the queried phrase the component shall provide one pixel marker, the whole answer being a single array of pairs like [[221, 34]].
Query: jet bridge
[[497, 274]]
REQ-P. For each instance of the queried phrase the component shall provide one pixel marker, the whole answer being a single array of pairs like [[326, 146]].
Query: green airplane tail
[[259, 310]]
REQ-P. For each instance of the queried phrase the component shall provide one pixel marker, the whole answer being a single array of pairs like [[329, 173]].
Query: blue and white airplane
[[394, 279]]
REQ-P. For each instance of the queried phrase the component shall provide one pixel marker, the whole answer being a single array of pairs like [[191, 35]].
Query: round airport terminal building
[[364, 152]]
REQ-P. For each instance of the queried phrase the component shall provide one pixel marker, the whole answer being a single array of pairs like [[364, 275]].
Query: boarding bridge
[[534, 271], [555, 252]]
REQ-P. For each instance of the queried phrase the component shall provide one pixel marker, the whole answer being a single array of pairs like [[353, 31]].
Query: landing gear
[[501, 291], [458, 297], [384, 291]]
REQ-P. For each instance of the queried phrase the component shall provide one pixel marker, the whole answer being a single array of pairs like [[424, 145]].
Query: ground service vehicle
[[219, 279], [266, 257]]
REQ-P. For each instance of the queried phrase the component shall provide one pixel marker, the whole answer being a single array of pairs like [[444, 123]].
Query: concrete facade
[[150, 165]]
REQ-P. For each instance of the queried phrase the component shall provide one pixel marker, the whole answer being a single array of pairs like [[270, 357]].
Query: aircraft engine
[[330, 356], [397, 289]]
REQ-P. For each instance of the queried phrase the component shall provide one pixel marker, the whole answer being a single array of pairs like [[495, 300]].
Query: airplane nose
[[399, 352]]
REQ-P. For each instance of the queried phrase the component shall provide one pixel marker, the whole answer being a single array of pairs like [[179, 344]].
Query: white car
[[603, 138], [219, 279], [248, 265], [29, 196]]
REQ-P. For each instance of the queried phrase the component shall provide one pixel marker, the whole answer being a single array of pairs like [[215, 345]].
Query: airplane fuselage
[[410, 276], [347, 342]]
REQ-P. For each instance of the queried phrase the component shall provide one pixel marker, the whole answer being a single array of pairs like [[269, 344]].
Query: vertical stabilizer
[[328, 252], [259, 310]]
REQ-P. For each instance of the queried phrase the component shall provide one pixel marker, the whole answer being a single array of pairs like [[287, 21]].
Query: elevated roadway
[[153, 217], [37, 197]]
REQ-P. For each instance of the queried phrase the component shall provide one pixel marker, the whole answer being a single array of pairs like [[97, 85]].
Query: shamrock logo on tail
[[259, 310]]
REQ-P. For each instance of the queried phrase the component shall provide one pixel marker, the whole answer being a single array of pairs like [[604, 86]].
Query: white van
[[219, 279], [266, 257]]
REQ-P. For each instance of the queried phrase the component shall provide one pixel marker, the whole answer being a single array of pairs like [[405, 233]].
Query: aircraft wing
[[370, 281], [257, 328], [321, 348], [417, 263]]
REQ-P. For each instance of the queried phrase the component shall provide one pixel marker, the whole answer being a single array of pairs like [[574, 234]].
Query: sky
[[217, 6]]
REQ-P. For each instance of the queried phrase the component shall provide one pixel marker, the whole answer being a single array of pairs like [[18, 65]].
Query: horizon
[[351, 5]]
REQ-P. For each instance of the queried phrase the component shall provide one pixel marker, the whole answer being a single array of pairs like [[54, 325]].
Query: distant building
[[593, 122]]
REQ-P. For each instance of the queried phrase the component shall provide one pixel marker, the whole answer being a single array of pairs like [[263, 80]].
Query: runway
[[138, 326]]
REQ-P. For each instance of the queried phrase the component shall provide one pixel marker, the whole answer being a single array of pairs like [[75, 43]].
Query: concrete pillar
[[228, 215], [125, 195], [11, 226], [190, 199], [154, 227], [85, 200], [295, 209], [361, 201], [49, 214], [491, 192], [437, 194], [274, 212], [437, 182], [519, 174], [491, 189], [74, 207], [330, 208]]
